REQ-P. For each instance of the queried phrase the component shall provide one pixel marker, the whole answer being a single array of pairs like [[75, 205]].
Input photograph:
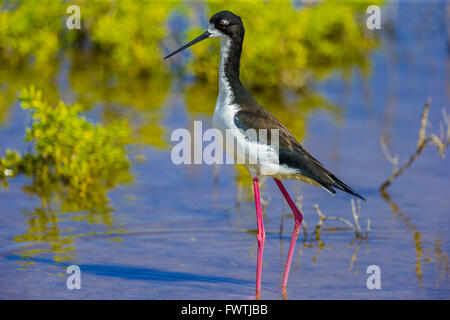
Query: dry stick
[[423, 140], [356, 214], [398, 172], [354, 257], [357, 229], [359, 233], [392, 160], [356, 218], [444, 141]]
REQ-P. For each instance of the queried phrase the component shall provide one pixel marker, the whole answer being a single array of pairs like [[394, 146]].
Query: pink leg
[[298, 222], [261, 235]]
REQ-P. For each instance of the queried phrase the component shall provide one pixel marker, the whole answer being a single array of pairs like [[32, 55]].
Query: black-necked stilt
[[237, 111]]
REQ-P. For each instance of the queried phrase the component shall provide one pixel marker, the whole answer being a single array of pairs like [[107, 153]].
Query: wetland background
[[141, 227]]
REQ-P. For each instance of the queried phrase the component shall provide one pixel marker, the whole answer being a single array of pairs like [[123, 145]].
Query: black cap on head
[[225, 15], [228, 23]]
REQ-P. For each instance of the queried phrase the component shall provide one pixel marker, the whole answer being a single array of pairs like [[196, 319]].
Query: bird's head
[[223, 24]]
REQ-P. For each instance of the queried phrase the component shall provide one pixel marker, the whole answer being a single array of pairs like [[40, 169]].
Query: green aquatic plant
[[30, 30], [67, 148], [117, 51], [72, 165], [130, 31], [126, 33]]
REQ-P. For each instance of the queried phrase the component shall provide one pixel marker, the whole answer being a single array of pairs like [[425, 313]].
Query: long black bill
[[198, 39]]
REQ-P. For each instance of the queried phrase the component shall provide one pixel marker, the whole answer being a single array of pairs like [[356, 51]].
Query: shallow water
[[189, 232]]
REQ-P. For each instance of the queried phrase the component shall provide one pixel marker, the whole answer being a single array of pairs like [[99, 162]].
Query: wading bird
[[237, 111]]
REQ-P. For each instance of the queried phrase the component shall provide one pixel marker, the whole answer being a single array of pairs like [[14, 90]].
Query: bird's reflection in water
[[318, 245]]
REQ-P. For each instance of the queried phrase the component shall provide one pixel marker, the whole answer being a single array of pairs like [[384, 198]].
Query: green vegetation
[[127, 33], [71, 158], [114, 59], [68, 148], [72, 165]]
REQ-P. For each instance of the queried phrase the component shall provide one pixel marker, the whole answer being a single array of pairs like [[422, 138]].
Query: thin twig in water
[[356, 228], [392, 159], [441, 142]]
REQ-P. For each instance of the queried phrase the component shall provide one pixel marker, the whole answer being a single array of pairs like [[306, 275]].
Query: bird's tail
[[340, 185], [346, 188]]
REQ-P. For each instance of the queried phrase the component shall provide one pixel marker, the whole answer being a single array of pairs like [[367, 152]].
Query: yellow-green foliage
[[72, 165], [68, 148], [30, 27], [131, 32], [126, 32], [282, 41], [284, 44], [115, 59]]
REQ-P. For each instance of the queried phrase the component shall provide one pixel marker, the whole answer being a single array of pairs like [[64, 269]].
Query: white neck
[[225, 92]]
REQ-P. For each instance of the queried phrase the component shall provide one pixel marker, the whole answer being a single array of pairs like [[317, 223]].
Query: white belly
[[260, 159]]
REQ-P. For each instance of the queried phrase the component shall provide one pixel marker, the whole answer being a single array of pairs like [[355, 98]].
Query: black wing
[[291, 151]]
